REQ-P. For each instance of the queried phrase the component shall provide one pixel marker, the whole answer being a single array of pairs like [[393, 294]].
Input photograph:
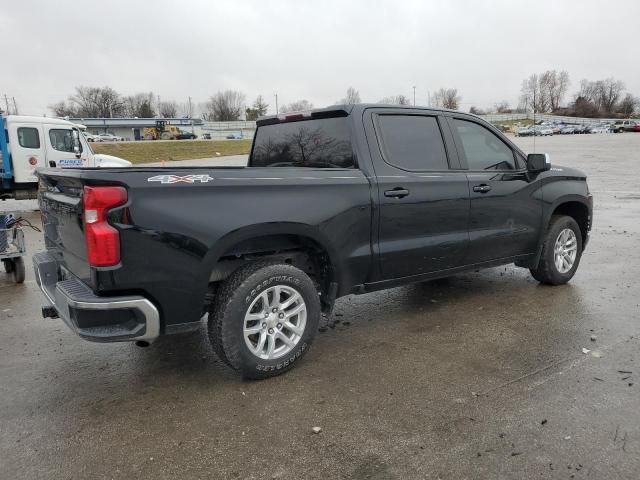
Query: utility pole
[[15, 106], [414, 95], [276, 103], [6, 102], [428, 98], [191, 115]]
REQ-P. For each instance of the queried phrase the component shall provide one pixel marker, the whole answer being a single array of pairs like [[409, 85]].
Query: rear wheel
[[264, 319], [561, 252], [18, 270], [8, 266]]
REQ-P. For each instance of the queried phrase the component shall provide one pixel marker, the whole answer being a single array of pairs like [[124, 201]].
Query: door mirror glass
[[538, 162]]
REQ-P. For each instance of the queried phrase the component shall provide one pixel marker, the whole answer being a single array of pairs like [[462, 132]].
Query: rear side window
[[318, 143], [61, 140], [482, 148], [412, 142], [28, 137]]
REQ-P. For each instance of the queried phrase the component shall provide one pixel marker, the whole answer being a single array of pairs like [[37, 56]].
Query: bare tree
[[98, 102], [91, 102], [225, 106], [353, 97], [63, 109], [258, 109], [139, 105], [396, 100], [627, 105], [584, 107], [168, 109], [476, 111], [297, 106], [561, 87], [534, 94], [603, 94], [502, 107], [609, 91], [447, 98]]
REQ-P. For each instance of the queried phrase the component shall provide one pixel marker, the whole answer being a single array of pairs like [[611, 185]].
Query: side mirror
[[76, 150], [538, 162]]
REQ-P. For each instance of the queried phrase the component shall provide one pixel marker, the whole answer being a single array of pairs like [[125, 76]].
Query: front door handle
[[482, 188], [397, 192]]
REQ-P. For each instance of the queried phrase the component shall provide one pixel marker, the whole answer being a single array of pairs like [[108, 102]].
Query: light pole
[[276, 95], [414, 95]]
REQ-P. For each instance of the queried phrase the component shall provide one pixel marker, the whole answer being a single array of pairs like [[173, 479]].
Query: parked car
[[568, 130], [524, 132], [261, 251], [597, 128], [186, 136], [109, 137], [543, 131], [624, 126], [580, 129], [206, 136], [90, 137], [234, 136], [557, 128]]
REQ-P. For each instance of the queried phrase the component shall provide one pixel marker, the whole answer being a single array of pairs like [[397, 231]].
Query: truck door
[[423, 195], [506, 215], [61, 142], [27, 149]]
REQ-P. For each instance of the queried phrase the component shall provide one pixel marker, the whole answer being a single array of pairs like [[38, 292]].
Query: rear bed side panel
[[171, 233]]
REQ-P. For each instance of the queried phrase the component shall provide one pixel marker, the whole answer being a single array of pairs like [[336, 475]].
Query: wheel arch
[[298, 244]]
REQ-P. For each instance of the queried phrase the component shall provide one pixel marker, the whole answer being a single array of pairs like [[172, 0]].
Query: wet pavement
[[480, 376]]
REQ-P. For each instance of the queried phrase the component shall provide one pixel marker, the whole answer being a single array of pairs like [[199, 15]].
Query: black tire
[[235, 296], [8, 266], [546, 272], [18, 270]]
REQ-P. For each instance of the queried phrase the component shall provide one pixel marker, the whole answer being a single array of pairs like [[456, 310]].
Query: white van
[[35, 142]]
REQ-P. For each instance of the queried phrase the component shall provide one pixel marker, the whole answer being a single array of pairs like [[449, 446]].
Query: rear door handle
[[397, 192], [482, 188]]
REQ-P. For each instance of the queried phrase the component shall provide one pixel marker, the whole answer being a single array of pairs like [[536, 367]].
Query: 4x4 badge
[[180, 179]]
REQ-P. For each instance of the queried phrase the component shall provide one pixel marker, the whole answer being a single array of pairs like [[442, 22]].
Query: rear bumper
[[92, 317]]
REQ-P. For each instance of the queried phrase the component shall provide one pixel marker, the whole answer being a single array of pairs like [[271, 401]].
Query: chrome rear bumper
[[95, 318]]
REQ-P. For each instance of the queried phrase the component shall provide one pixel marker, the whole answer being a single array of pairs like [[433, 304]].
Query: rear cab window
[[313, 143], [411, 142], [28, 137]]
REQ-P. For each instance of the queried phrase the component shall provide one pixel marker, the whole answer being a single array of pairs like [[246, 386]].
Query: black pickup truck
[[335, 201]]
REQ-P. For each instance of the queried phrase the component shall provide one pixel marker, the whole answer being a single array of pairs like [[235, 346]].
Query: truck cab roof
[[340, 110], [36, 119]]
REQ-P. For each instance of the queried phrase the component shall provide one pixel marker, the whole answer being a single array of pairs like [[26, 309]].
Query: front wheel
[[561, 252], [264, 319]]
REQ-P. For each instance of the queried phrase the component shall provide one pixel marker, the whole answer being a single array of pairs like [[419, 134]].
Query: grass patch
[[157, 151]]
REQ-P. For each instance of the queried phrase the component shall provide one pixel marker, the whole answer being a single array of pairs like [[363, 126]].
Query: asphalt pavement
[[481, 376]]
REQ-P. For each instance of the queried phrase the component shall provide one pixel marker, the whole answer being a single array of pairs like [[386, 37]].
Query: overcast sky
[[310, 49]]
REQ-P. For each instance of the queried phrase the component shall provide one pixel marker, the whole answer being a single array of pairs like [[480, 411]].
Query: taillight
[[103, 241]]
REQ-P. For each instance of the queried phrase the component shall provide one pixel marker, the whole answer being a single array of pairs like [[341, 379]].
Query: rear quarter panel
[[172, 235]]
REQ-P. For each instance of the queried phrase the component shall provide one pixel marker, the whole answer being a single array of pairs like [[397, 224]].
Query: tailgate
[[60, 199]]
